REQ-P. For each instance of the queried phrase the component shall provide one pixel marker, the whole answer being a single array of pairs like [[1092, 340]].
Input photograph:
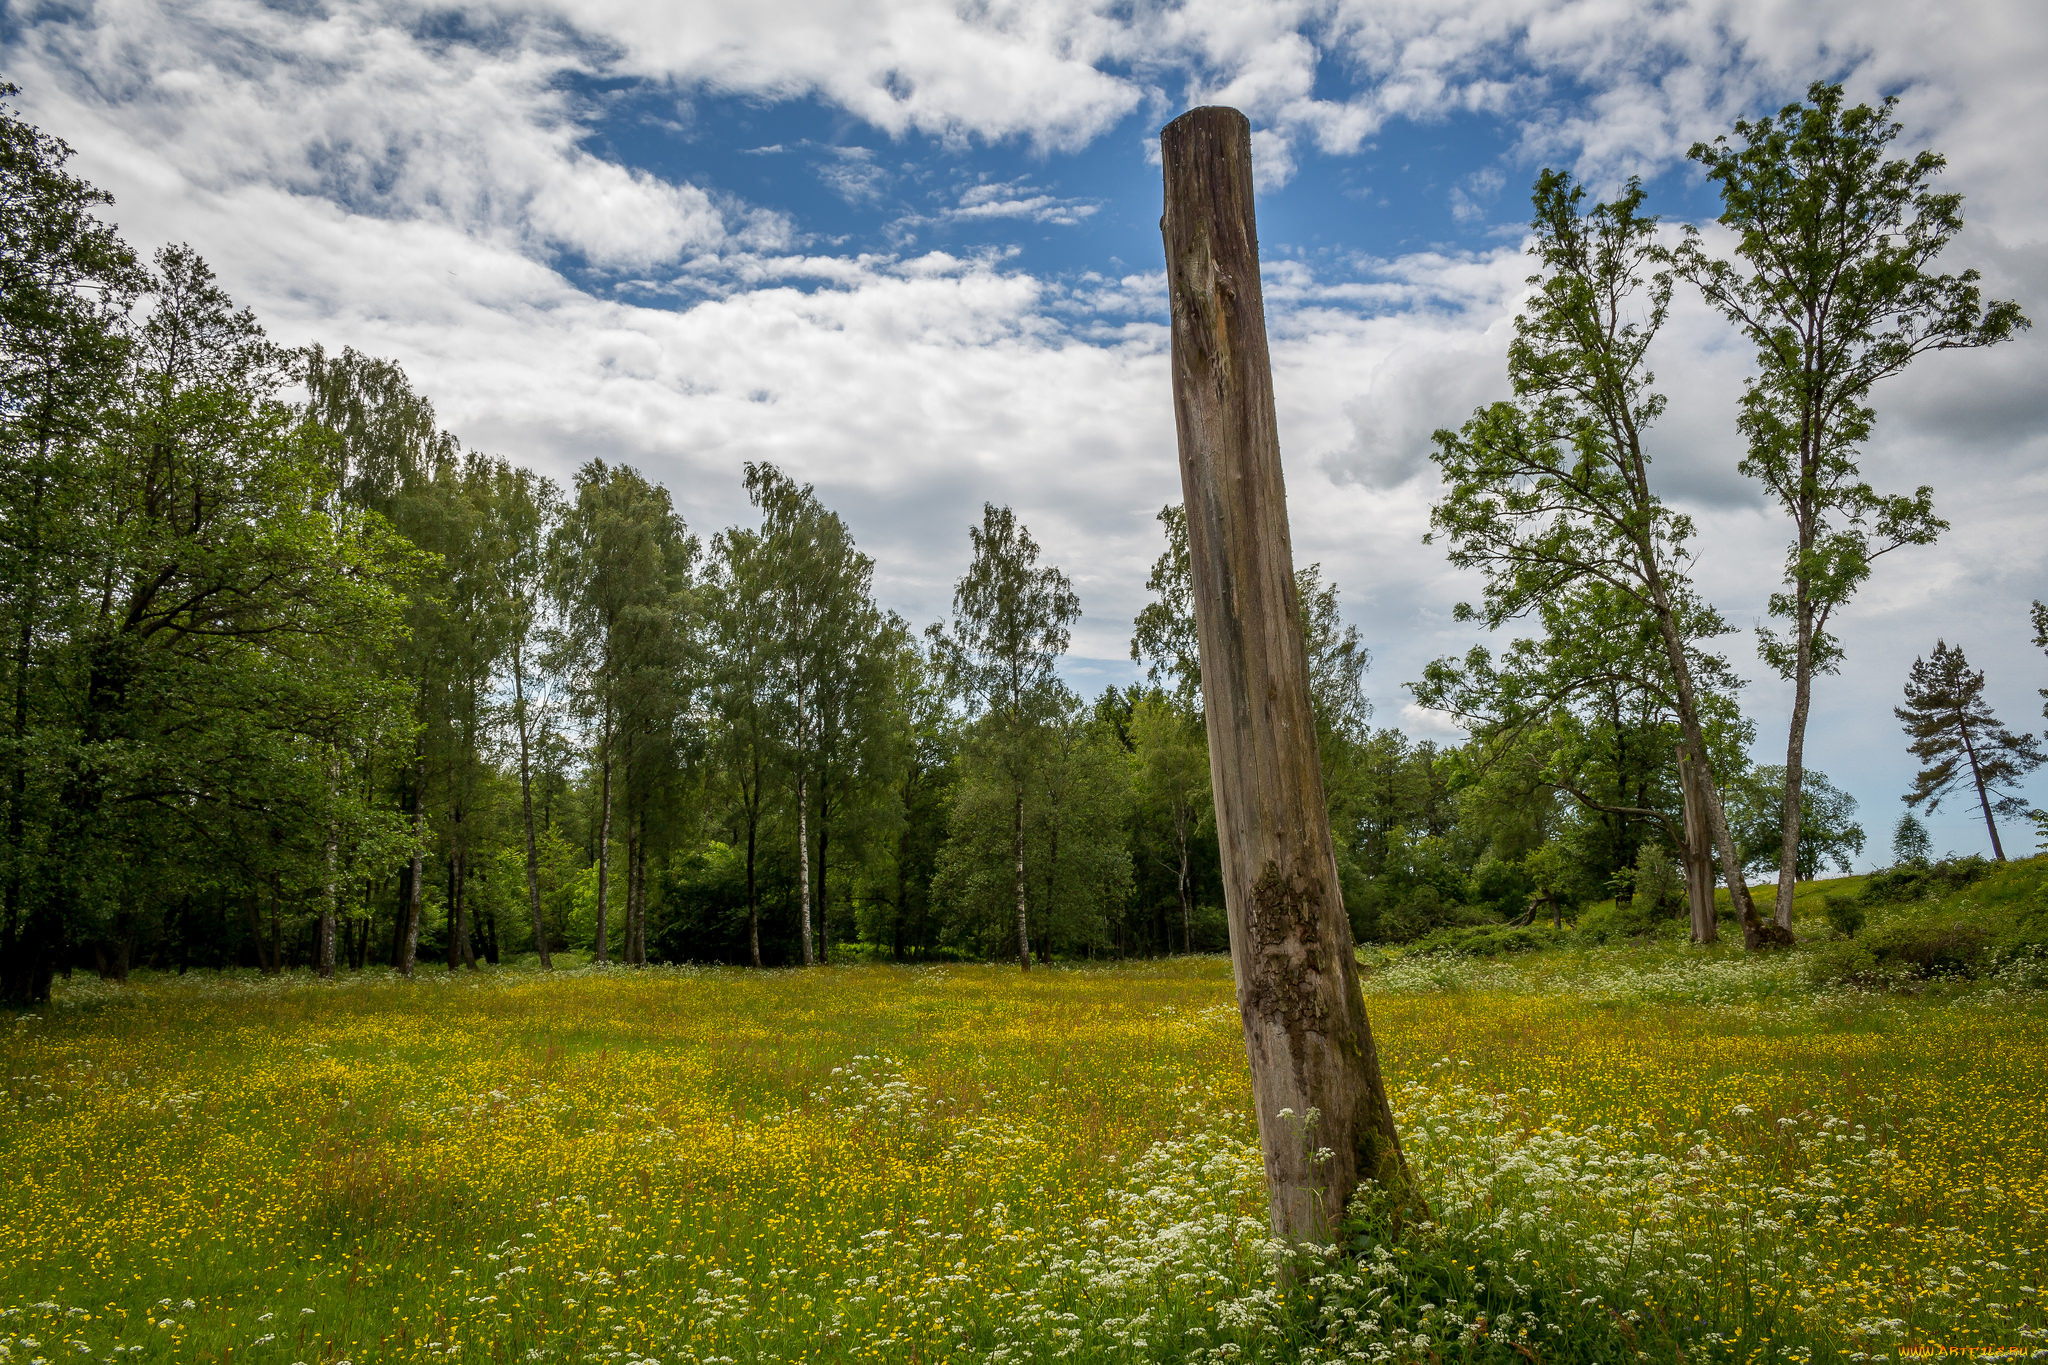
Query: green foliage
[[1828, 833], [1487, 940], [1962, 918], [1832, 282], [1910, 843], [1845, 914], [1916, 881]]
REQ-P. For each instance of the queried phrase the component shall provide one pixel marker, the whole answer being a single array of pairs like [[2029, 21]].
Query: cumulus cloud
[[422, 182]]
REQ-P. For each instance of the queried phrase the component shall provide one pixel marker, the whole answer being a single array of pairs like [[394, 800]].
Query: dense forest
[[294, 678]]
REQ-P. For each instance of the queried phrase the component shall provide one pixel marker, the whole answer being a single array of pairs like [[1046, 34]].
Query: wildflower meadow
[[1639, 1152]]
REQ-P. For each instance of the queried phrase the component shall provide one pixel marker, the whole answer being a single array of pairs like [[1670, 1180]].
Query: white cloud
[[361, 180]]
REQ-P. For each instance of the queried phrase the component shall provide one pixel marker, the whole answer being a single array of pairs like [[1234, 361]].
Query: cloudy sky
[[908, 250]]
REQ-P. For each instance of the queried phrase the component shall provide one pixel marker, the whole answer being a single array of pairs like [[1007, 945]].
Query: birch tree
[[1012, 619]]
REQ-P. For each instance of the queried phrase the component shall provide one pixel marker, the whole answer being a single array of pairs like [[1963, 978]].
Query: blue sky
[[908, 250]]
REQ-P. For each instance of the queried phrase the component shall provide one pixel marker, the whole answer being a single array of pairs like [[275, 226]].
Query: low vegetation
[[1628, 1146]]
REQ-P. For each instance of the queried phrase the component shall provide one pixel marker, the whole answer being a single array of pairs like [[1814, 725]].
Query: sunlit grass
[[874, 1163]]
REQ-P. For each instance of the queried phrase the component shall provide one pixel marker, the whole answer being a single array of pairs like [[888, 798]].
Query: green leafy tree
[[1075, 844], [66, 283], [1828, 832], [1170, 753], [1012, 619], [388, 455], [831, 668], [742, 630], [1910, 844], [1959, 742], [621, 569], [1551, 494], [1832, 280]]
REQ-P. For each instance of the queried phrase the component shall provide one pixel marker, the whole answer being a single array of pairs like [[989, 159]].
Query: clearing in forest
[[1681, 1150]]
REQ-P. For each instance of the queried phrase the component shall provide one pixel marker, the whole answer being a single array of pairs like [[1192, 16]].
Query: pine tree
[[1958, 740]]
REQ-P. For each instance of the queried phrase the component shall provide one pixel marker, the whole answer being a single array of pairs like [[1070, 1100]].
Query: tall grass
[[1630, 1152]]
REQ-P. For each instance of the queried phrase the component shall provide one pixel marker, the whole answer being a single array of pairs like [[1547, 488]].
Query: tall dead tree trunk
[[1324, 1121]]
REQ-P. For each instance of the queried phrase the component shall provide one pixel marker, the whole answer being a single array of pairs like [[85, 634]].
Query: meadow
[[1635, 1151]]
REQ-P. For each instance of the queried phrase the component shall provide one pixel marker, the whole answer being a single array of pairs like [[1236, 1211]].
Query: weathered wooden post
[[1324, 1120]]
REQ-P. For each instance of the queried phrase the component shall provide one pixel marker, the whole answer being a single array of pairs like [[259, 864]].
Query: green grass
[[1634, 1147]]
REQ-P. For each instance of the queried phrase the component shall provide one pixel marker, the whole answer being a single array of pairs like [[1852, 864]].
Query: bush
[[1989, 915], [1640, 918], [1845, 914], [1487, 940], [1915, 881]]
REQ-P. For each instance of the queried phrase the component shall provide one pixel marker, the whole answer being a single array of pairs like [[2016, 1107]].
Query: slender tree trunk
[[824, 833], [276, 925], [467, 955], [604, 850], [1754, 932], [1795, 761], [398, 917], [415, 885], [1983, 797], [1696, 853], [1187, 913], [636, 892], [14, 944], [1306, 1033], [803, 862], [540, 932], [329, 892], [753, 894], [254, 911], [1017, 845]]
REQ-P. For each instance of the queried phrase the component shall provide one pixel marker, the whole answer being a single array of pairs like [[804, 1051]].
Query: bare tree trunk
[[540, 933], [276, 925], [1697, 853], [410, 953], [753, 895], [803, 860], [1983, 797], [466, 951], [1182, 817], [255, 913], [328, 892], [600, 951], [1023, 917], [1795, 766], [1324, 1121], [636, 892], [824, 844]]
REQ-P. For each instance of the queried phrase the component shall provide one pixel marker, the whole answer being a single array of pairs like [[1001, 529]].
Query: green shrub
[[1966, 917], [1917, 881], [1640, 918], [1845, 914], [1488, 940]]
